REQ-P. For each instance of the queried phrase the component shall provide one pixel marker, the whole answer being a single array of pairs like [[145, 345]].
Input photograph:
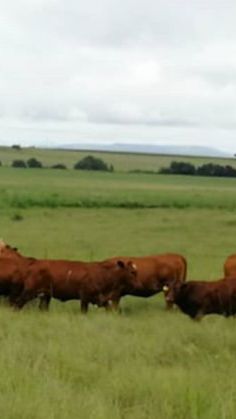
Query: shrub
[[16, 147], [19, 163], [179, 168], [59, 166], [211, 169], [208, 169], [34, 163], [92, 163]]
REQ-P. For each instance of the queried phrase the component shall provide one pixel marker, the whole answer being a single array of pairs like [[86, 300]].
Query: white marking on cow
[[69, 273]]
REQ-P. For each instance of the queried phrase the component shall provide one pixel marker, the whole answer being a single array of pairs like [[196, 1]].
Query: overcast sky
[[153, 71]]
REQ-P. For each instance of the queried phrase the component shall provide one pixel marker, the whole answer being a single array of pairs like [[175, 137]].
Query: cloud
[[96, 66]]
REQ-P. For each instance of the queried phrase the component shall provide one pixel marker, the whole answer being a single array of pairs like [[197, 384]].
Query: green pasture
[[45, 188], [145, 363]]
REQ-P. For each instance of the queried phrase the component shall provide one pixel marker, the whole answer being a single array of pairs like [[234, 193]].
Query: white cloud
[[123, 70]]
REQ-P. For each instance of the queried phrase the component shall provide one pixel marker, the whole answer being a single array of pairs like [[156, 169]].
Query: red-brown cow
[[96, 282], [154, 271], [198, 298], [14, 268]]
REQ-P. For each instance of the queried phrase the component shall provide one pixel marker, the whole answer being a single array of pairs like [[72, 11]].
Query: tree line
[[208, 169], [175, 168], [87, 163]]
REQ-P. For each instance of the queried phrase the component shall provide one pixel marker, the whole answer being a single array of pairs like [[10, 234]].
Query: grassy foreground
[[145, 363], [142, 364]]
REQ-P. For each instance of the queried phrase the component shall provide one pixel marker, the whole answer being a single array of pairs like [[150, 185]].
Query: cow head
[[127, 275], [129, 267], [171, 290]]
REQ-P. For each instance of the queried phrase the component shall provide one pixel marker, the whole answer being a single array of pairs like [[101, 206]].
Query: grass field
[[27, 188], [145, 363]]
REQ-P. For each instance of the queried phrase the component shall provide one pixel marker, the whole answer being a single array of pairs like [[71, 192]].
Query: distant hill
[[150, 149]]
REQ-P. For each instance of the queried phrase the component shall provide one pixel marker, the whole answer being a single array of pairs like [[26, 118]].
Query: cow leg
[[115, 305], [44, 302], [112, 305], [108, 305], [199, 315], [169, 305], [24, 298], [13, 297], [84, 306], [13, 301]]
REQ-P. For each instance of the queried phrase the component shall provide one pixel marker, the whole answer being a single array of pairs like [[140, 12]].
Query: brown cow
[[230, 266], [154, 271], [13, 270], [198, 298], [95, 282]]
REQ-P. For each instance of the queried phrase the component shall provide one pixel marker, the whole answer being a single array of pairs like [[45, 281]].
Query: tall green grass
[[137, 365]]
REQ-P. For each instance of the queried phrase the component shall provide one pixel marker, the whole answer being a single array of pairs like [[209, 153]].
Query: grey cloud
[[120, 22], [156, 65], [138, 118], [221, 77]]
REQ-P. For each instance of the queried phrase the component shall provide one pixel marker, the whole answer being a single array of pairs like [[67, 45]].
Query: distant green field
[[145, 363], [25, 188], [121, 161]]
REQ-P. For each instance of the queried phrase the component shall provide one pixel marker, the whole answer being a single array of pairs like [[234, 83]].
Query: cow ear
[[121, 264]]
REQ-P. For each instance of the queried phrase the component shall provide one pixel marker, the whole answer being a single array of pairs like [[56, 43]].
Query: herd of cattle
[[104, 283]]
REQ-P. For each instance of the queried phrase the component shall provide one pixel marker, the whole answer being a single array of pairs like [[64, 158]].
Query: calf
[[198, 298]]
